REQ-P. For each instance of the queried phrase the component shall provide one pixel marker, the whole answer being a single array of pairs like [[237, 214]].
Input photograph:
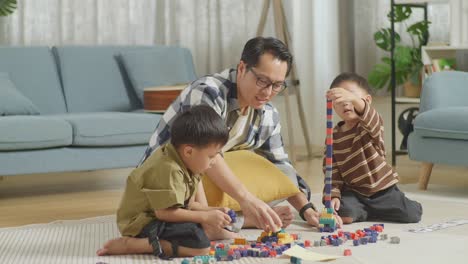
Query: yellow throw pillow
[[261, 177]]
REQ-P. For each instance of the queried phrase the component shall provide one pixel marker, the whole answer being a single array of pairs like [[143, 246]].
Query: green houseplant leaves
[[407, 58], [7, 7]]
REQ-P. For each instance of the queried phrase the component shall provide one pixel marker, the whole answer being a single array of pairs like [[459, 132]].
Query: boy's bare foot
[[125, 245]]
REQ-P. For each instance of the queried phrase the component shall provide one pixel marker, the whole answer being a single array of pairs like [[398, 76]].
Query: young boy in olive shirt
[[159, 212]]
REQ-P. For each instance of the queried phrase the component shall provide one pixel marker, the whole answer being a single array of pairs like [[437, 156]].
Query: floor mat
[[76, 241]]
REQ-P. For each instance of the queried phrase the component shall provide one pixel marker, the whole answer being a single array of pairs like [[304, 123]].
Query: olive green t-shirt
[[162, 181]]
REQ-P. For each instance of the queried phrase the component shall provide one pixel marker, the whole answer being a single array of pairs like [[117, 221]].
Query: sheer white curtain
[[215, 31]]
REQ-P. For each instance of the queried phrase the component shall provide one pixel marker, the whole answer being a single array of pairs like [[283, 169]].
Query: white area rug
[[76, 241]]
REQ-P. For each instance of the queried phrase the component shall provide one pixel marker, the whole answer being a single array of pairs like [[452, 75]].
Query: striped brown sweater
[[359, 157]]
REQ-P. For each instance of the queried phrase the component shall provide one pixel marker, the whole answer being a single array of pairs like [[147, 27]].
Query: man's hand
[[216, 219], [312, 217], [335, 203], [264, 216], [285, 214]]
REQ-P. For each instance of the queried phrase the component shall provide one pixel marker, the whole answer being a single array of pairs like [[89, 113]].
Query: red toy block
[[307, 243], [347, 252]]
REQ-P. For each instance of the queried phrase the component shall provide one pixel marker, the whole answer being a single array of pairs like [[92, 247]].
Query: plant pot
[[411, 90]]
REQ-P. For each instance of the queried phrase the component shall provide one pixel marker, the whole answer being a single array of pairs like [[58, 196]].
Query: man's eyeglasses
[[264, 83]]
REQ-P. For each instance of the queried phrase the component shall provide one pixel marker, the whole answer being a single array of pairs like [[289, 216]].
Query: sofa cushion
[[12, 101], [158, 67], [34, 72], [111, 128], [451, 123], [92, 79], [33, 132]]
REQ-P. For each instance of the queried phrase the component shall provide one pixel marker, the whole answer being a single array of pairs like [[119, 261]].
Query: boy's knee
[[416, 213]]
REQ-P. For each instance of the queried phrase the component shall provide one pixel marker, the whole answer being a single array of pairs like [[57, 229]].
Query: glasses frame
[[264, 85]]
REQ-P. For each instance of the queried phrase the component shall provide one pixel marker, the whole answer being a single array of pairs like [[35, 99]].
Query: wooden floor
[[43, 198]]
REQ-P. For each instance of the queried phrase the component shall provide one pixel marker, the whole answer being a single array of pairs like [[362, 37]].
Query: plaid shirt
[[220, 92]]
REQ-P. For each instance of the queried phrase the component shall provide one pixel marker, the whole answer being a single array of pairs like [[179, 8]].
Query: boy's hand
[[339, 95], [335, 203], [216, 219], [339, 221], [222, 209]]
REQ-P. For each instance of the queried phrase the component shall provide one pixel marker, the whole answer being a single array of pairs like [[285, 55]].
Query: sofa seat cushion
[[33, 132], [450, 123], [111, 128]]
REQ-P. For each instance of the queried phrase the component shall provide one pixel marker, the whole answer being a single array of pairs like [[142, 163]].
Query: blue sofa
[[86, 114], [441, 128]]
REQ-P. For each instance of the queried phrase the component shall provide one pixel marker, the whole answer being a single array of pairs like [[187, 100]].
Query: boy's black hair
[[256, 47], [351, 77], [199, 126]]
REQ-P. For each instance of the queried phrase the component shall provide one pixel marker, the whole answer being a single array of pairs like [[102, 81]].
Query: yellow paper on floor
[[302, 253]]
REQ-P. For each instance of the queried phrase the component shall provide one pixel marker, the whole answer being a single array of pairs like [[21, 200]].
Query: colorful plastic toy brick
[[295, 260], [280, 237], [240, 241], [233, 215], [347, 252], [356, 242], [204, 260], [395, 240]]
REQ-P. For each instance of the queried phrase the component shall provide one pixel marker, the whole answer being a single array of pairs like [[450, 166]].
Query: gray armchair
[[441, 128]]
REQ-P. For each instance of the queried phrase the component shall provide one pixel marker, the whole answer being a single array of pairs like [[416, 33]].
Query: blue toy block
[[295, 260], [363, 240], [233, 216]]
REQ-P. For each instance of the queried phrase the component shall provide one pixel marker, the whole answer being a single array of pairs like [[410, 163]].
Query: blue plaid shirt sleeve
[[273, 147], [202, 91]]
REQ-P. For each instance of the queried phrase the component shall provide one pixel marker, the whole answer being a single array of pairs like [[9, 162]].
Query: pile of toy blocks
[[360, 237]]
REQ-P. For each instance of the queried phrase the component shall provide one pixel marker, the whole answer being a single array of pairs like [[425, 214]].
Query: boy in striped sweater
[[363, 183]]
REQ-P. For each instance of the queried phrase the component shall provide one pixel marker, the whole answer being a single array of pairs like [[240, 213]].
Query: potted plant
[[7, 7], [408, 63]]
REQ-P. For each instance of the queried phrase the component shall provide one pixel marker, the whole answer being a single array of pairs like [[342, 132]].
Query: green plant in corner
[[407, 58], [7, 7]]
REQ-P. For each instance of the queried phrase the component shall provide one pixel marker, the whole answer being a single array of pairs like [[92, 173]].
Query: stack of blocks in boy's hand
[[233, 216], [272, 244]]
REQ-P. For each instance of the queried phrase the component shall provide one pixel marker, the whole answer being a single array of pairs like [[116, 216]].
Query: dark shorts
[[189, 235], [388, 205]]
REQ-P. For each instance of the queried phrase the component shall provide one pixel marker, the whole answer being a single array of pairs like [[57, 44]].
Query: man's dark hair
[[200, 126], [256, 47], [351, 77]]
